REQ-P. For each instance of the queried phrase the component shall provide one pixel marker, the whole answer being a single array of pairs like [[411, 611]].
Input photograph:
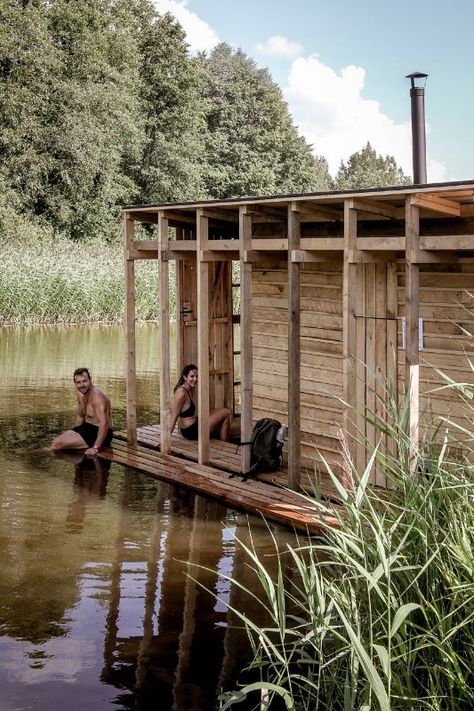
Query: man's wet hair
[[80, 371]]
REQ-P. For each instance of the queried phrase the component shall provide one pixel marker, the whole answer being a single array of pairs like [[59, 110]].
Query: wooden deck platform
[[226, 456], [257, 497]]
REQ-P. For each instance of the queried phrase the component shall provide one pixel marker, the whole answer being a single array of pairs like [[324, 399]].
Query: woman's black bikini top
[[191, 410]]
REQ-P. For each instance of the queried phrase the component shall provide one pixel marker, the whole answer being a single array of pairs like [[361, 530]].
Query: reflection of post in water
[[205, 551], [237, 650], [90, 485], [111, 627]]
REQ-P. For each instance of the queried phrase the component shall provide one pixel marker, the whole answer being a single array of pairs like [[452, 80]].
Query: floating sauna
[[338, 293]]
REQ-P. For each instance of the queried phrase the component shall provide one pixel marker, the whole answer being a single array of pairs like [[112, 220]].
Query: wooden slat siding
[[370, 327], [275, 504], [380, 361], [246, 342], [164, 334], [319, 374], [412, 356], [392, 343], [349, 311], [203, 339], [441, 291], [294, 361], [131, 379], [360, 454]]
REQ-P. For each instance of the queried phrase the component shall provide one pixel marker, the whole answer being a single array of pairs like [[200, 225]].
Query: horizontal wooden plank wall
[[446, 307], [321, 355]]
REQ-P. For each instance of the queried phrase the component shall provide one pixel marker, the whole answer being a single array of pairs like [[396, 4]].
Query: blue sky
[[341, 66]]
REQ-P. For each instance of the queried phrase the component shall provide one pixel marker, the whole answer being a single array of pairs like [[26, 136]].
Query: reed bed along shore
[[60, 281], [378, 614]]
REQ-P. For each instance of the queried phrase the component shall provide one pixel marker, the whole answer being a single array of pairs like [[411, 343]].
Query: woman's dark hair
[[80, 371], [186, 370]]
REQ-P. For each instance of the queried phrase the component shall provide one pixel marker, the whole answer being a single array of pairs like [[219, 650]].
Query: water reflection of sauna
[[179, 645]]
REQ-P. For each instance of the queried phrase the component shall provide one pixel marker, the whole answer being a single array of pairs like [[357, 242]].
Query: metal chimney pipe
[[417, 96]]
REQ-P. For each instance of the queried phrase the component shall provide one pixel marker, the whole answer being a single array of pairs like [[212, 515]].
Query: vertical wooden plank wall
[[294, 351], [412, 296], [349, 323], [131, 379], [246, 343], [202, 226], [163, 240]]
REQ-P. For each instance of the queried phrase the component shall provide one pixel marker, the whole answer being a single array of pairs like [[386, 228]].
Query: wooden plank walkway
[[226, 456], [254, 497]]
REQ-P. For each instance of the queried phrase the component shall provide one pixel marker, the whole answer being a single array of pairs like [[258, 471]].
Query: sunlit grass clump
[[60, 281], [378, 614]]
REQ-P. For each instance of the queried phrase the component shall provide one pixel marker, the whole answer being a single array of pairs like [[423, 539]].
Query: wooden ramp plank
[[226, 456], [255, 497]]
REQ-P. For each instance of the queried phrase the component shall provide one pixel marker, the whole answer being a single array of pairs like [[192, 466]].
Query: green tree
[[67, 72], [366, 169], [169, 93], [252, 145]]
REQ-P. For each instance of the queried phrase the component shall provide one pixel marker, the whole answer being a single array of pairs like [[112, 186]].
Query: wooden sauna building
[[338, 294]]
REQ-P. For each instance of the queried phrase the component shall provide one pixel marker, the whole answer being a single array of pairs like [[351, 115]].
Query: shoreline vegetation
[[57, 281], [378, 613]]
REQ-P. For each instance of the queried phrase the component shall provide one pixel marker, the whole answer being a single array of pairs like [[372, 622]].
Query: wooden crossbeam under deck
[[255, 497]]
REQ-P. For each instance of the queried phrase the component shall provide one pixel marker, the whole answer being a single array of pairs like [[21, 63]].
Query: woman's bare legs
[[220, 420]]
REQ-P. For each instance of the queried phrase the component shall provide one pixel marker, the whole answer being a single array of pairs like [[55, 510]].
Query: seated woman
[[184, 409]]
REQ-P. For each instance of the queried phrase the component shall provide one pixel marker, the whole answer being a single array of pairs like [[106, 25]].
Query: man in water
[[93, 426]]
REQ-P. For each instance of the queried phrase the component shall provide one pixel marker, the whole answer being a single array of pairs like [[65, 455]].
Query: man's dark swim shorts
[[89, 434]]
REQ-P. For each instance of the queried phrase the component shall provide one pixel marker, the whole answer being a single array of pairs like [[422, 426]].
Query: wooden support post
[[412, 305], [294, 351], [246, 374], [179, 307], [131, 379], [349, 326], [202, 227], [165, 442]]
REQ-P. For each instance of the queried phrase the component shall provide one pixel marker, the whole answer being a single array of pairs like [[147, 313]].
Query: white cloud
[[332, 114], [279, 46], [199, 35]]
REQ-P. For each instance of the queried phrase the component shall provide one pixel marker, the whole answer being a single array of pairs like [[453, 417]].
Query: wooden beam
[[221, 245], [375, 207], [438, 204], [321, 243], [270, 244], [349, 325], [380, 244], [412, 310], [183, 245], [361, 257], [274, 214], [317, 211], [131, 377], [447, 242], [164, 316], [294, 352], [217, 213], [202, 224], [246, 371], [304, 255], [215, 256]]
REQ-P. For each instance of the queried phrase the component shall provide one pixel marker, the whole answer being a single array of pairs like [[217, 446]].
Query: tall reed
[[60, 281], [378, 614]]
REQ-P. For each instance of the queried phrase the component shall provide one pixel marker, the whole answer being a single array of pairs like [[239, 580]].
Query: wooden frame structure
[[339, 293]]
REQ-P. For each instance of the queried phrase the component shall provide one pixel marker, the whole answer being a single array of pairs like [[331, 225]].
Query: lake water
[[104, 571]]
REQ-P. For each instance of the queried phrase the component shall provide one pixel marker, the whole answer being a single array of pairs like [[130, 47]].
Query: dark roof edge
[[290, 196]]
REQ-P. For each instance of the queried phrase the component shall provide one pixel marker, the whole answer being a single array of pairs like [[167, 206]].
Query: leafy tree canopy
[[252, 146], [366, 169]]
